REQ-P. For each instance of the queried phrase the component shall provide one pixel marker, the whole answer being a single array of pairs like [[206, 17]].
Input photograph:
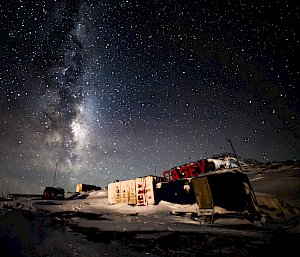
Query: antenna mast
[[235, 154], [55, 174]]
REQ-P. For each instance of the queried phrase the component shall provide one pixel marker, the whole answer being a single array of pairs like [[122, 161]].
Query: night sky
[[105, 90]]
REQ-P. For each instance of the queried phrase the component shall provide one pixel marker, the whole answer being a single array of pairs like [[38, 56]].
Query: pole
[[234, 153], [55, 174]]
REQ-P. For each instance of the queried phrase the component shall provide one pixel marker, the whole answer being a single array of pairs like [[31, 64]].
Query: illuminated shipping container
[[85, 188], [137, 191]]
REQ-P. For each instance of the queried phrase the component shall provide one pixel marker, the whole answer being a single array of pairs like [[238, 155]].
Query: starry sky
[[101, 90]]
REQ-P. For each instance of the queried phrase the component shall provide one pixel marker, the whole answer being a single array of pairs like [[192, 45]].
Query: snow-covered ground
[[87, 225]]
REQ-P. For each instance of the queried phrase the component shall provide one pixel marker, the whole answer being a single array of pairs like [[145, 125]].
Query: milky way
[[105, 90]]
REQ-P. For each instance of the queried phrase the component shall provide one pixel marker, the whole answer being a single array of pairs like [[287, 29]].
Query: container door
[[140, 191], [124, 191], [149, 191], [114, 193], [79, 188], [203, 193], [132, 192], [111, 193]]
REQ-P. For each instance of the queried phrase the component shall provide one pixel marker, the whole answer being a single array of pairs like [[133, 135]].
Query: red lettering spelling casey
[[185, 171]]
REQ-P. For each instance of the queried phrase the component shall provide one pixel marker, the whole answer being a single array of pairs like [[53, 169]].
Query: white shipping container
[[138, 191], [114, 195]]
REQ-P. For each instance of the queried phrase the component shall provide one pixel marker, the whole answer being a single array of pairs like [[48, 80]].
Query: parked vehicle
[[51, 193]]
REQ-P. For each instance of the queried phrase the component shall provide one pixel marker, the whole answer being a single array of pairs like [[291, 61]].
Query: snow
[[86, 225]]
